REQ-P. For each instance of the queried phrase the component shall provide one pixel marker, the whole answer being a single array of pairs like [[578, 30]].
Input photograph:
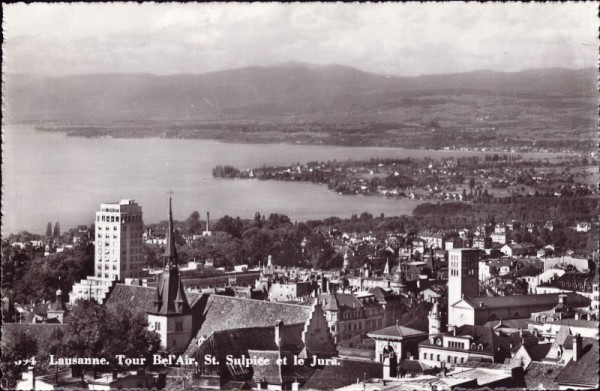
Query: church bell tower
[[171, 316]]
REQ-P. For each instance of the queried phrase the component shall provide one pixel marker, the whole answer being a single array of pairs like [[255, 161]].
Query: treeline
[[225, 172], [93, 331], [28, 275], [567, 211]]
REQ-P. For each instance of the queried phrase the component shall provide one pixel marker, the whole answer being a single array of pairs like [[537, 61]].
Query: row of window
[[438, 357], [456, 345], [99, 228]]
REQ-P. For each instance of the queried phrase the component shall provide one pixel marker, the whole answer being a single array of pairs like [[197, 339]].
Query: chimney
[[452, 329], [577, 347], [278, 325], [207, 221]]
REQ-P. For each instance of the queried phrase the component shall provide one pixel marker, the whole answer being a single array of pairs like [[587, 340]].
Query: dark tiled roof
[[549, 299], [583, 372], [224, 312], [215, 312], [396, 332], [415, 366], [336, 376], [170, 298], [509, 323], [542, 375], [538, 352], [336, 301]]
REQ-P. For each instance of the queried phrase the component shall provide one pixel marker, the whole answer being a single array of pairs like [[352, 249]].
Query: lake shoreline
[[242, 140]]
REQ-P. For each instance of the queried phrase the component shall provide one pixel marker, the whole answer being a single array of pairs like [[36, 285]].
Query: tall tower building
[[118, 250], [463, 275], [119, 230], [170, 316]]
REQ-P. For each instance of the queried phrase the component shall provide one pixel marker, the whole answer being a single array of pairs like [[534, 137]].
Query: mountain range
[[290, 89]]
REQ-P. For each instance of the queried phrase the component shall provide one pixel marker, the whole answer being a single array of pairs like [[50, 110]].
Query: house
[[348, 316], [463, 343], [433, 239], [499, 235]]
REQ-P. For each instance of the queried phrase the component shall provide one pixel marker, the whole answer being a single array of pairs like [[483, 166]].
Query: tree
[[56, 234], [17, 346], [49, 230], [87, 331]]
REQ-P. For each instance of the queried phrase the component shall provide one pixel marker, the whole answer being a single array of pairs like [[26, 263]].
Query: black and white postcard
[[304, 196]]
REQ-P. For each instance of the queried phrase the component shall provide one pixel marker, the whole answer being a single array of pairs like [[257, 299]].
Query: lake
[[48, 176]]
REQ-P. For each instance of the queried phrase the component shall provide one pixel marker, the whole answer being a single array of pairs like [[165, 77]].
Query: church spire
[[170, 255], [170, 296]]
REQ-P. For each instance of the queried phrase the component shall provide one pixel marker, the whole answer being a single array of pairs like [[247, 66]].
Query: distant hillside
[[293, 89]]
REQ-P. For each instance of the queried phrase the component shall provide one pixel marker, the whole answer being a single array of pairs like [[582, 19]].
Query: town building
[[479, 310], [463, 343], [118, 252], [347, 315], [290, 291]]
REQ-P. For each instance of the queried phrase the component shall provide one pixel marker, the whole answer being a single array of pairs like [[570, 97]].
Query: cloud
[[392, 38]]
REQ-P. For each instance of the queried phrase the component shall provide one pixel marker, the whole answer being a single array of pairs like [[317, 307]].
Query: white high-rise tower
[[119, 230]]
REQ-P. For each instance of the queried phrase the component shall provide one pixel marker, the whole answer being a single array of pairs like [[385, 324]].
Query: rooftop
[[547, 299], [583, 372], [396, 332]]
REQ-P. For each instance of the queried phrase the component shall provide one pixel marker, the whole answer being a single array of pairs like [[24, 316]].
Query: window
[[157, 326], [178, 326], [424, 356]]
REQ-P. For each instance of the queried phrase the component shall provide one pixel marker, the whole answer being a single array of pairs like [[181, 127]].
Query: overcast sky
[[391, 38]]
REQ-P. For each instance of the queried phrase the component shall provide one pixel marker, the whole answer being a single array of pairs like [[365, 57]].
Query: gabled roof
[[584, 371], [563, 338], [225, 312], [395, 332], [212, 312]]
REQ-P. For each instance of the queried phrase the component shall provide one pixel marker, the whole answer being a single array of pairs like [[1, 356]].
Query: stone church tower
[[171, 317]]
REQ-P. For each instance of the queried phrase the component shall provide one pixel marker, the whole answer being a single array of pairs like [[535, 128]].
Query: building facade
[[118, 242]]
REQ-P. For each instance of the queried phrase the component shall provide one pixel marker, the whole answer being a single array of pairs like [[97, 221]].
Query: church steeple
[[170, 296], [170, 255]]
